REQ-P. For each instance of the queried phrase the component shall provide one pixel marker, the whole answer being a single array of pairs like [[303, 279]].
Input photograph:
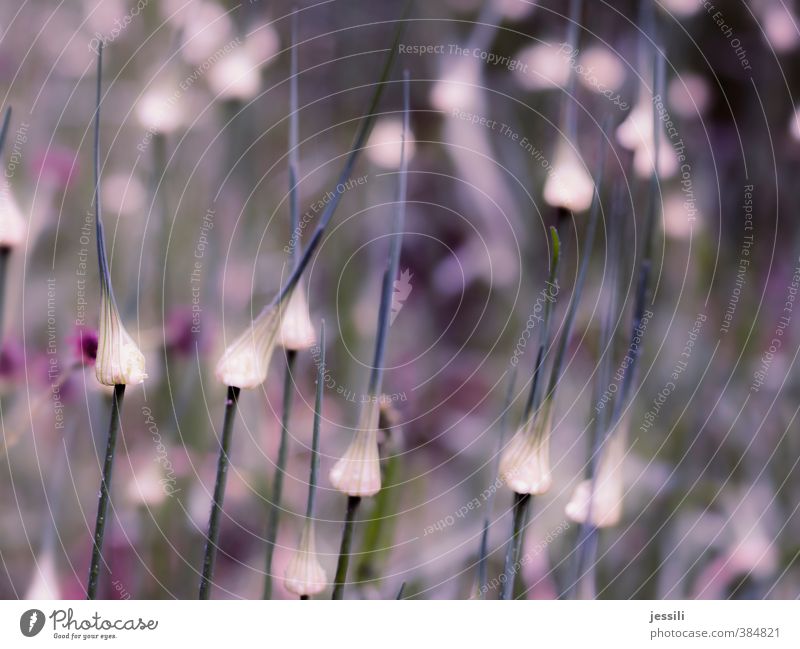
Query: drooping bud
[[305, 574], [568, 184], [525, 465], [636, 134], [605, 504], [358, 473], [297, 332], [525, 462], [119, 360], [245, 362], [12, 223]]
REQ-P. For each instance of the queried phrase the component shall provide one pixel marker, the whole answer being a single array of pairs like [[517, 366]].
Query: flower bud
[[12, 224], [358, 473], [525, 462], [245, 362], [297, 332], [305, 574], [119, 360], [606, 501], [636, 134], [568, 184]]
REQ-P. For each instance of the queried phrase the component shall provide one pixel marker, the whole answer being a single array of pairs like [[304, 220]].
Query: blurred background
[[194, 141]]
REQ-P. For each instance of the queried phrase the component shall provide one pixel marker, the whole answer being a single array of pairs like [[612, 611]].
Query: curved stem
[[212, 538], [105, 492]]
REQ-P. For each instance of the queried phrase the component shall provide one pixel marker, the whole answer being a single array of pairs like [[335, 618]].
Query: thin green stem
[[160, 194], [344, 550], [294, 154], [377, 542], [534, 400], [273, 520], [105, 492], [570, 101], [314, 473], [483, 553], [212, 539], [520, 513], [483, 559]]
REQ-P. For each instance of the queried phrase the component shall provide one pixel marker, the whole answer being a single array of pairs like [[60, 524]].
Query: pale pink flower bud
[[358, 473], [297, 332], [525, 462], [119, 360], [606, 502], [305, 574], [568, 184], [12, 223], [245, 362]]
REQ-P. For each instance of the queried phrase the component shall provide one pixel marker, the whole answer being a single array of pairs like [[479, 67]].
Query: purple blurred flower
[[179, 336], [11, 359], [85, 341], [57, 165]]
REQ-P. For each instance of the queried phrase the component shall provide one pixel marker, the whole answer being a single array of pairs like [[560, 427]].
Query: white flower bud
[[158, 111], [119, 360], [305, 574], [385, 143], [245, 362], [236, 76], [525, 462], [568, 184], [297, 332], [358, 473], [606, 503], [636, 134], [12, 224]]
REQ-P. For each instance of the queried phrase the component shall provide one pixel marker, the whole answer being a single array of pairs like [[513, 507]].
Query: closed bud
[[636, 134], [245, 362], [119, 360], [297, 332], [603, 507], [568, 184], [525, 462], [305, 574], [358, 473], [12, 223]]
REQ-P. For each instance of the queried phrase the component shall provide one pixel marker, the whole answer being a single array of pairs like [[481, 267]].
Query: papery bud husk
[[245, 362], [606, 502], [305, 574], [568, 184], [525, 462], [119, 360], [12, 223], [358, 473], [297, 332]]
